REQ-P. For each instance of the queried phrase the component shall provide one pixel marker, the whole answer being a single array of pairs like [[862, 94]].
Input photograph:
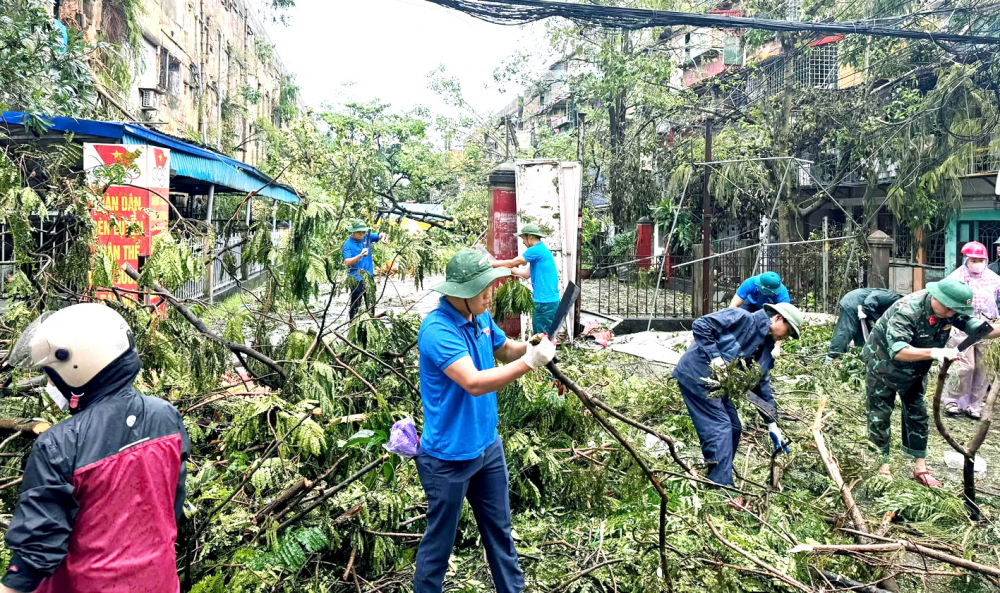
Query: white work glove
[[777, 439], [539, 355], [943, 354], [861, 313], [364, 252], [718, 362]]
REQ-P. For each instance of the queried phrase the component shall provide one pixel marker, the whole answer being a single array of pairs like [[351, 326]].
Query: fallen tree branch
[[588, 402], [784, 578], [377, 359], [282, 500], [851, 584], [969, 452], [991, 571], [576, 577], [199, 325], [28, 427], [334, 490], [671, 444], [833, 468]]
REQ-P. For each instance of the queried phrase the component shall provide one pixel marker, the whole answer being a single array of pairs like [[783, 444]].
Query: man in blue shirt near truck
[[543, 274], [358, 259], [461, 454]]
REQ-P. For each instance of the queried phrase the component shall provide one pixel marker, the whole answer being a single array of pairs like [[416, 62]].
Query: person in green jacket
[[903, 344], [863, 305]]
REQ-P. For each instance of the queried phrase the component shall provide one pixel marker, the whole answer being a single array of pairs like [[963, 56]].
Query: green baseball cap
[[789, 313], [532, 229], [357, 226], [468, 273], [953, 293]]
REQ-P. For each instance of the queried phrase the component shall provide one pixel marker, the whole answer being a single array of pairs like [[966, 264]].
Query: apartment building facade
[[204, 71]]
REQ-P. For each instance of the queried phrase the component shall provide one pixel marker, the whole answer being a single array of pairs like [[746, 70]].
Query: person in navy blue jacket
[[719, 339], [461, 455], [103, 490]]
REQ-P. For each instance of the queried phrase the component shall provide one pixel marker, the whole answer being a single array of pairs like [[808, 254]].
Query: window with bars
[[819, 68], [989, 232], [767, 81]]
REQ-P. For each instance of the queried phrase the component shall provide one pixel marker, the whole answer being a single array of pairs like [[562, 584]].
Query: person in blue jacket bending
[[719, 339], [760, 290]]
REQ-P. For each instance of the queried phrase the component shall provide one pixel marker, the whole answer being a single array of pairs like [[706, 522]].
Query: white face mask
[[56, 396], [977, 268]]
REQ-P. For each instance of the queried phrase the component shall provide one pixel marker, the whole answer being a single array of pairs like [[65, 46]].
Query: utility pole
[[577, 324], [706, 226]]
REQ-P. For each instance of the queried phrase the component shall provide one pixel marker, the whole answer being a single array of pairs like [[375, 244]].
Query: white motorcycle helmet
[[75, 343]]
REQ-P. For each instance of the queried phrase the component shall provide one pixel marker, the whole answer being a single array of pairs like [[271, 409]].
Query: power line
[[510, 12]]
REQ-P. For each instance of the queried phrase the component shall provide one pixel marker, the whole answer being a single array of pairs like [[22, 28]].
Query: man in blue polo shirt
[[358, 259], [461, 455], [543, 274], [757, 291]]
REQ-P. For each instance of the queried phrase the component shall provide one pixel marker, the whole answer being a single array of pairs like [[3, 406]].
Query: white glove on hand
[[539, 355], [364, 252], [943, 354], [717, 362], [861, 313]]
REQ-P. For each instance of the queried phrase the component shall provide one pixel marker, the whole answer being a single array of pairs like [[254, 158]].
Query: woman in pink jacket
[[968, 383]]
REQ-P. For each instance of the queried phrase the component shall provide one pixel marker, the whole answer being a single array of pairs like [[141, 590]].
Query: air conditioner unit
[[150, 100]]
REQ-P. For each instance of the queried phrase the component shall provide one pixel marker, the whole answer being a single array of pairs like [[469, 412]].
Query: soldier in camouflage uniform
[[873, 302], [899, 352]]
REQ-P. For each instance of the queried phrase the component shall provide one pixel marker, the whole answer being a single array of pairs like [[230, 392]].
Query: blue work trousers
[[718, 426], [485, 482]]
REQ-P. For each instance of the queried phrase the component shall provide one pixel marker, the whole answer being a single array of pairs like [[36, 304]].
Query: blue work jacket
[[729, 334]]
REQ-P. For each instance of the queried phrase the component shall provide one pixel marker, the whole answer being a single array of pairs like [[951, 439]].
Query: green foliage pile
[[512, 299], [735, 378]]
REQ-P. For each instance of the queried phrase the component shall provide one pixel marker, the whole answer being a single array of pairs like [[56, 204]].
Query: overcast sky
[[341, 50]]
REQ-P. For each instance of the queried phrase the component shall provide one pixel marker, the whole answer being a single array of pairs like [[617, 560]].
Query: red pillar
[[500, 238], [644, 243]]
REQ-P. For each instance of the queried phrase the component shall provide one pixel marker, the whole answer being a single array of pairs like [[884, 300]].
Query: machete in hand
[[768, 411], [974, 336], [864, 325], [569, 297]]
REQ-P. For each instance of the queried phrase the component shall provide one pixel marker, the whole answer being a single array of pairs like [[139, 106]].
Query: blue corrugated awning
[[186, 159]]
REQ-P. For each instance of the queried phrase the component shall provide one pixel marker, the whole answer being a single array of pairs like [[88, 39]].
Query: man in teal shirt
[[543, 274]]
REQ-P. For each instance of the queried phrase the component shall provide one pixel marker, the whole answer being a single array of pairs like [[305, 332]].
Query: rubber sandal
[[975, 415], [925, 478], [952, 409]]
